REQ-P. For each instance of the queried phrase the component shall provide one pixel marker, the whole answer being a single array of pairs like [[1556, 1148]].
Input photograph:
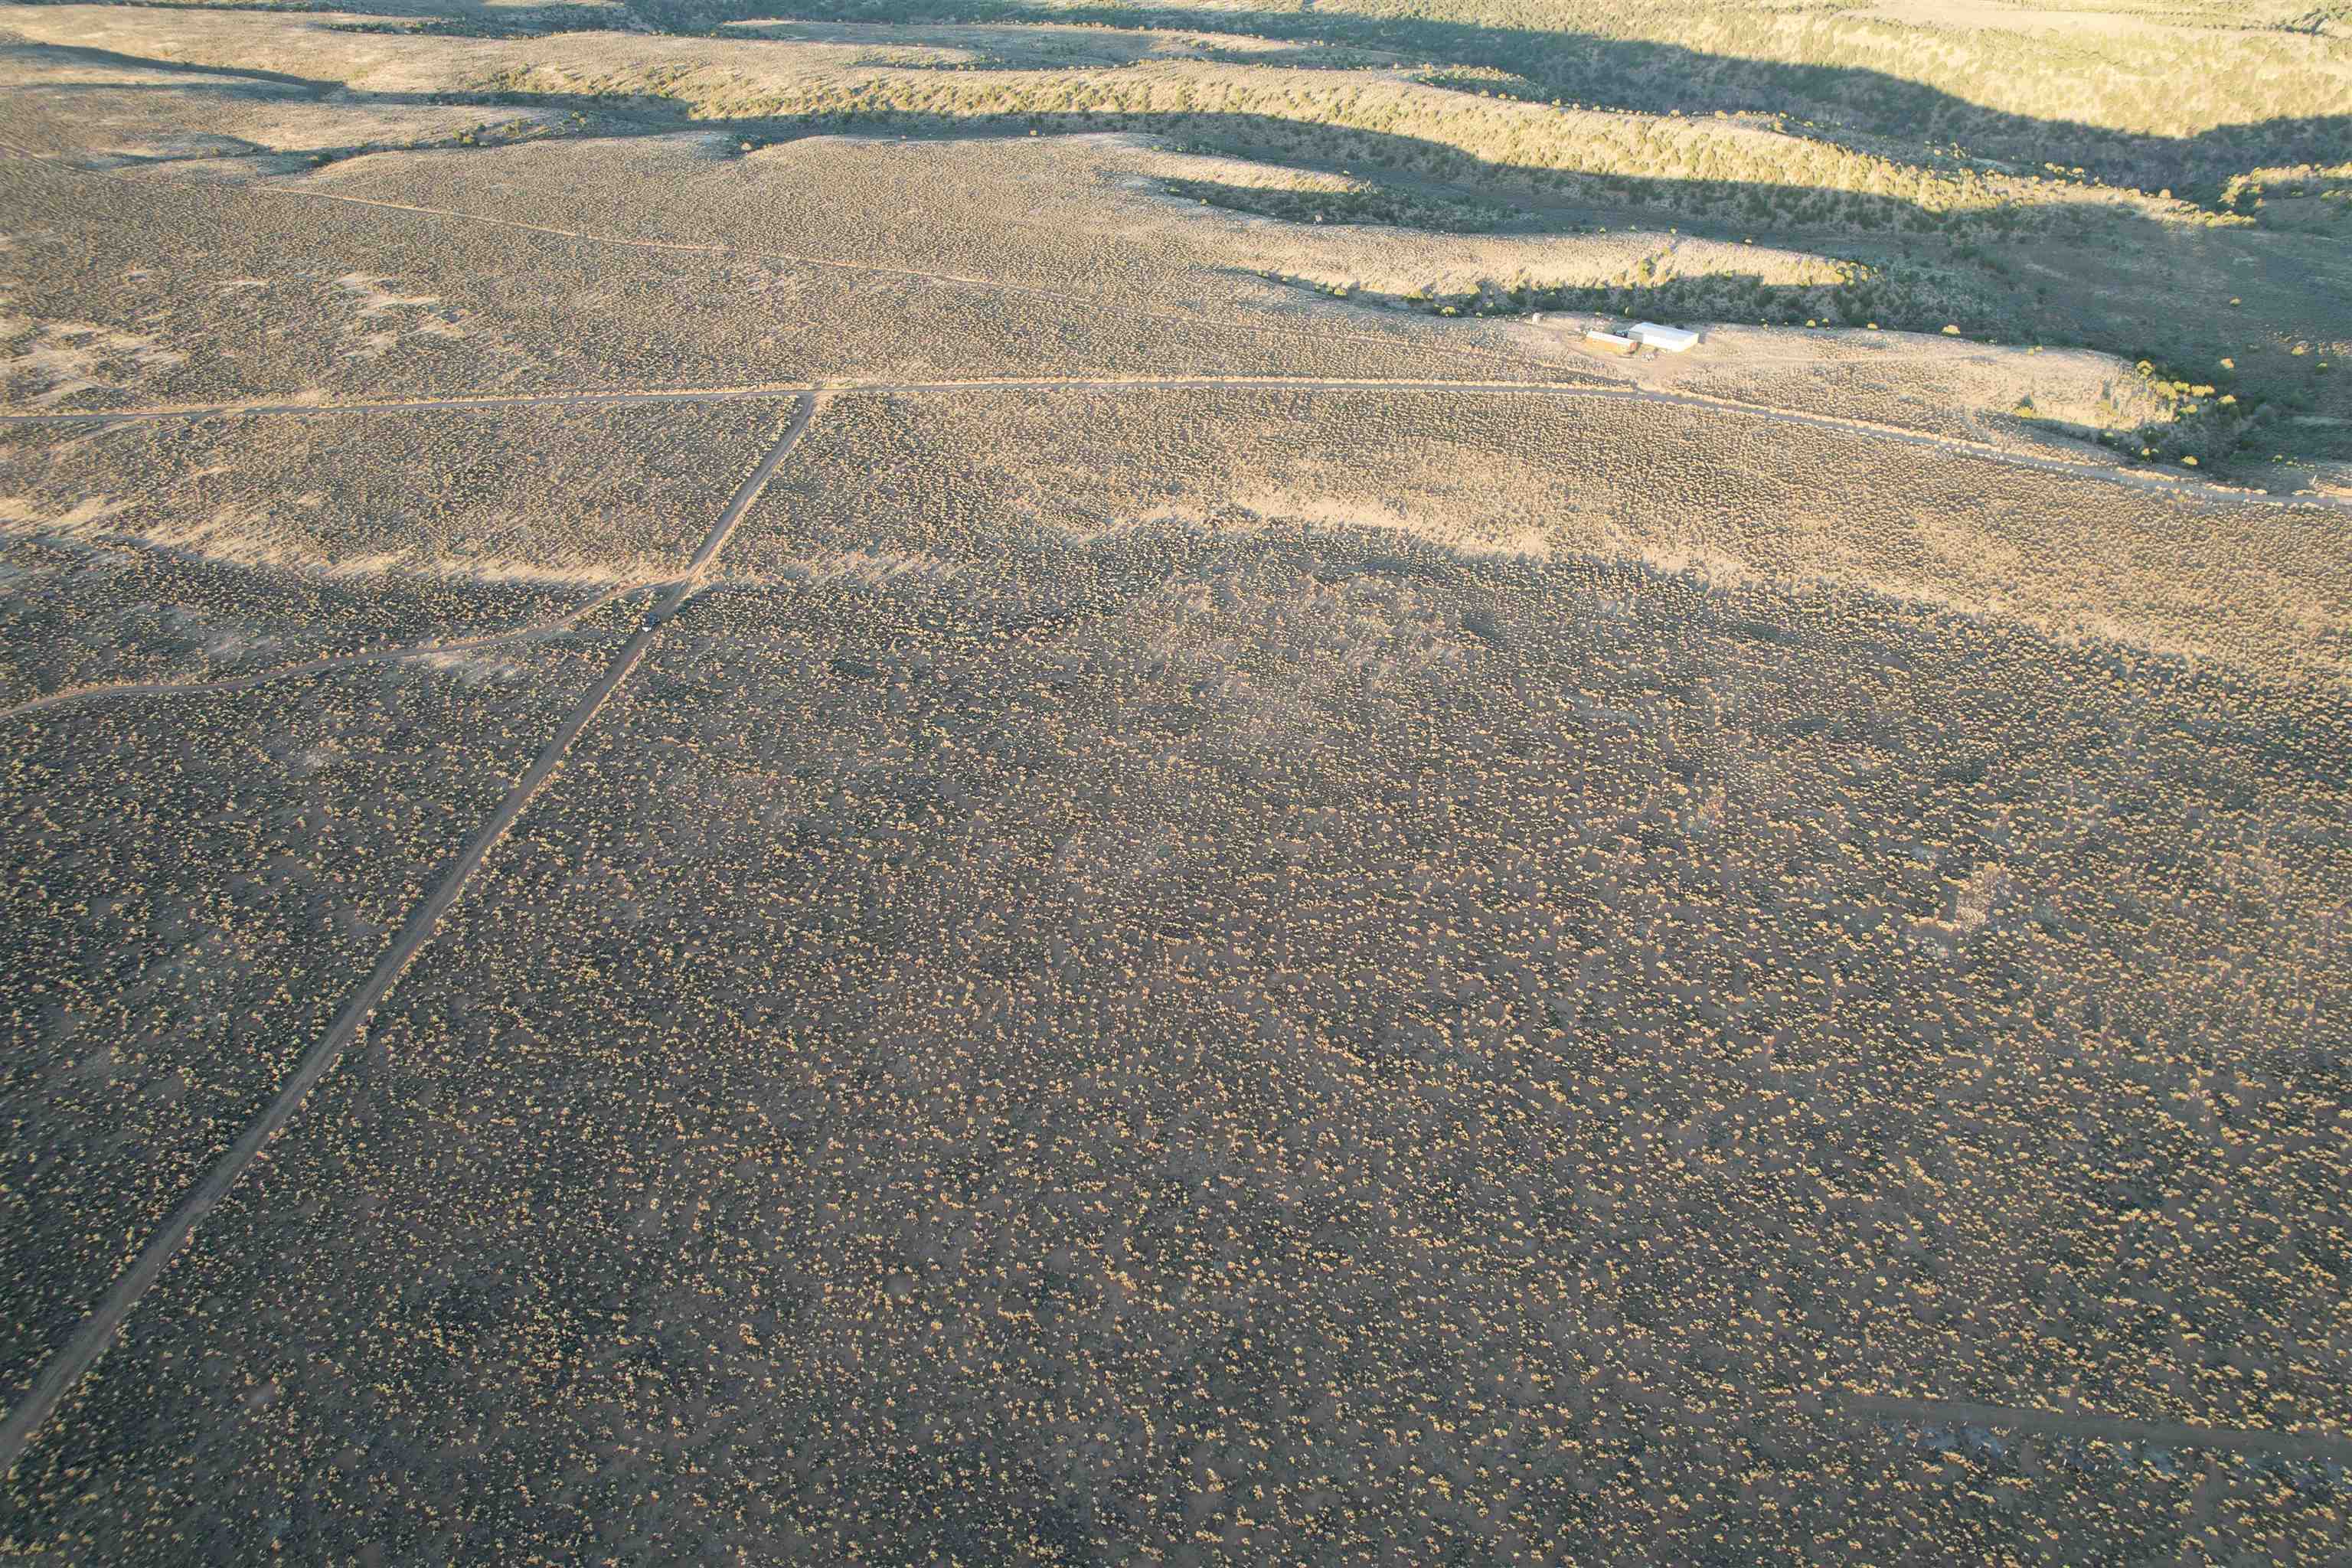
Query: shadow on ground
[[2103, 277]]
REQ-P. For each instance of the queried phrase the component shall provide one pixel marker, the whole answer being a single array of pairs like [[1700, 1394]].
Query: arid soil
[[806, 786]]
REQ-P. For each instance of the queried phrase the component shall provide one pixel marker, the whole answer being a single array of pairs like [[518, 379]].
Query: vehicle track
[[536, 631], [2184, 490], [95, 1332], [1103, 302], [1100, 302], [2091, 1423], [2176, 489]]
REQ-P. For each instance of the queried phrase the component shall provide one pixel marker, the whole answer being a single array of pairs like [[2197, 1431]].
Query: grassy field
[[946, 782]]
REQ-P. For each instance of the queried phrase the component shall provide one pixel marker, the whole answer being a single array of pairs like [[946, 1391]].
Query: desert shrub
[[2109, 107], [1711, 166], [2200, 421], [2301, 196], [1816, 291], [1336, 201]]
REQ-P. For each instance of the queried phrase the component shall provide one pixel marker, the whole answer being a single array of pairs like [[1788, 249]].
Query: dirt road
[[2186, 489], [97, 1330]]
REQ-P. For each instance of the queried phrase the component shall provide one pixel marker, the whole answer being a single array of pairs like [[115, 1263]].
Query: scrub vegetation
[[946, 781]]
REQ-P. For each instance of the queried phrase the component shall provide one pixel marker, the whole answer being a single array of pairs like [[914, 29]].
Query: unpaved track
[[1098, 303], [748, 492], [2182, 489], [2319, 1446], [1092, 303], [536, 632], [2175, 490], [457, 400], [93, 1335], [95, 1332]]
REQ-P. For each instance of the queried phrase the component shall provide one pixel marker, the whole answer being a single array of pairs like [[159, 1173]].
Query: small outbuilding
[[1666, 339], [1611, 341]]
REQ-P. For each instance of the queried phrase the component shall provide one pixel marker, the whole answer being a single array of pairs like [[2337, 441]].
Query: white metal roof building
[[1667, 339]]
